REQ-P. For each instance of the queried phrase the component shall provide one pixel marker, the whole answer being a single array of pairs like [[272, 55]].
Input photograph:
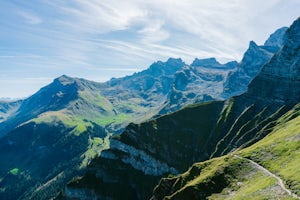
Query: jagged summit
[[206, 62], [279, 79], [169, 67], [254, 57], [175, 61], [276, 39], [212, 63], [253, 60], [252, 44], [170, 62], [65, 80]]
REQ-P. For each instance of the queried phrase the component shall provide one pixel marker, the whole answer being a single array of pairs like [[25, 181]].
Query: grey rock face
[[279, 79], [276, 39], [142, 161], [208, 62], [202, 81], [253, 60]]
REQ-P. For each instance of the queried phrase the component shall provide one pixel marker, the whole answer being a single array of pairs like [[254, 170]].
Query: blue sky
[[100, 39]]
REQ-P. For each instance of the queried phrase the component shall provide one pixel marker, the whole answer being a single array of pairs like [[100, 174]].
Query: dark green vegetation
[[41, 153], [232, 177], [169, 144]]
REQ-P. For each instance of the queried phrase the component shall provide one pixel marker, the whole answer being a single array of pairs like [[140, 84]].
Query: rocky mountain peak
[[253, 50], [74, 84], [255, 57], [52, 97], [166, 68], [276, 39], [207, 62], [252, 44], [64, 80], [279, 79], [253, 60], [175, 62]]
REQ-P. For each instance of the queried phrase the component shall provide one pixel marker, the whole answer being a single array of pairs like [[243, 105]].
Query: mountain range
[[74, 123], [248, 145]]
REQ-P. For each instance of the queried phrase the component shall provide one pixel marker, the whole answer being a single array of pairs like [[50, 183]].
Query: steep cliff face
[[209, 130]]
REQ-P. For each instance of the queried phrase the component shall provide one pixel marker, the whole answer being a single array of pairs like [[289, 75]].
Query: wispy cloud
[[93, 16], [204, 25], [29, 17], [154, 32]]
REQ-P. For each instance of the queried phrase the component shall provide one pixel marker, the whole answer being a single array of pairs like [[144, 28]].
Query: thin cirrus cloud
[[94, 16], [109, 38], [30, 17], [221, 24]]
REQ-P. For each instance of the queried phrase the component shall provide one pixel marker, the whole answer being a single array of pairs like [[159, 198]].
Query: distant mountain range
[[53, 135]]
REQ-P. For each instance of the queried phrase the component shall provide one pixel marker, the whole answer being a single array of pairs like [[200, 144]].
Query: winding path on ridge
[[279, 180]]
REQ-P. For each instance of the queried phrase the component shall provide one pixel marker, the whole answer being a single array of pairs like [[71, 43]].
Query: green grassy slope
[[231, 177], [62, 132], [36, 153]]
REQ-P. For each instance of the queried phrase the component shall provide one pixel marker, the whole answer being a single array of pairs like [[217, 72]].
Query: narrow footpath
[[279, 180]]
